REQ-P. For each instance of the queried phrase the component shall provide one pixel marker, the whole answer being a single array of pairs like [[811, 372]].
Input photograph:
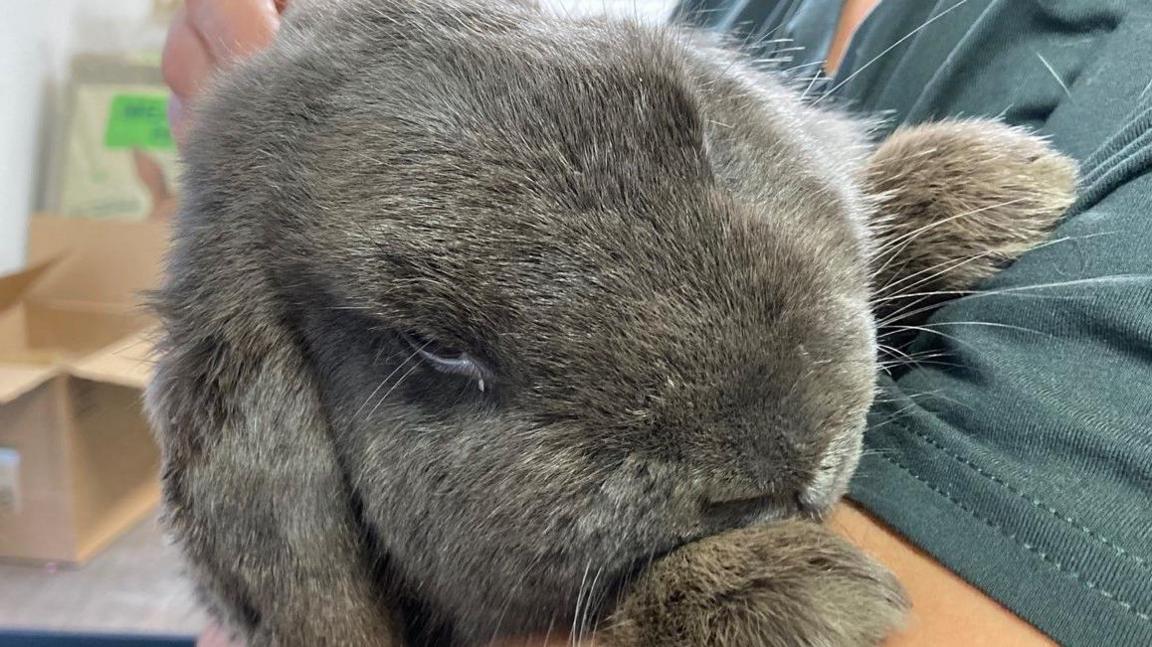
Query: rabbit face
[[556, 327], [539, 379]]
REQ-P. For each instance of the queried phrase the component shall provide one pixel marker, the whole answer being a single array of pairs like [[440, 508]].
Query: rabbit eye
[[447, 359]]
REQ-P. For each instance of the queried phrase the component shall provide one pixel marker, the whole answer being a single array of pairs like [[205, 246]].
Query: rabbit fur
[[480, 321]]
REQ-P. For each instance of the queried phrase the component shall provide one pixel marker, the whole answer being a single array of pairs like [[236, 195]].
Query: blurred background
[[40, 42], [87, 180]]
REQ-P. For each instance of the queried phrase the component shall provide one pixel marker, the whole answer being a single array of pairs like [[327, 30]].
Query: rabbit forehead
[[584, 226], [587, 190], [677, 261], [604, 315]]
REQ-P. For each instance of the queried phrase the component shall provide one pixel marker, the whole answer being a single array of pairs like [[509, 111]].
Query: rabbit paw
[[960, 199], [786, 584]]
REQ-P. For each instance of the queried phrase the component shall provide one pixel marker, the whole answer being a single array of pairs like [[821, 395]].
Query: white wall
[[24, 37], [37, 39]]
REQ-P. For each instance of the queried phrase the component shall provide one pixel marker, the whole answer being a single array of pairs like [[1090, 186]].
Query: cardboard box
[[80, 463]]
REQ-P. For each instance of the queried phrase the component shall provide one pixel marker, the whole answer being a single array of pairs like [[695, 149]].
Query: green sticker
[[138, 121]]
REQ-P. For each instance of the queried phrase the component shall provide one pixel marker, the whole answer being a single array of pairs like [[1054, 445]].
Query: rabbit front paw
[[786, 584], [959, 199]]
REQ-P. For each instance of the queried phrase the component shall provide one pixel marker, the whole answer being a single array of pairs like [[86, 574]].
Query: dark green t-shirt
[[1022, 458]]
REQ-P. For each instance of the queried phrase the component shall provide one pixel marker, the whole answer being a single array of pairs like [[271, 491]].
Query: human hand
[[207, 36]]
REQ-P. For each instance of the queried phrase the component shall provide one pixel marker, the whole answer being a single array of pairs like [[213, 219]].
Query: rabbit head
[[565, 295]]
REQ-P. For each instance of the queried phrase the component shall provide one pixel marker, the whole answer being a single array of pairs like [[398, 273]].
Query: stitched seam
[[1089, 584], [1078, 525]]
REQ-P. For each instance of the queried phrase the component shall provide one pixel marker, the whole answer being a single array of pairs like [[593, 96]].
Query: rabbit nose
[[736, 513]]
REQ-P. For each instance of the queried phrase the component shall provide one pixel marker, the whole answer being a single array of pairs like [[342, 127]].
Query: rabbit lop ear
[[957, 201], [253, 493]]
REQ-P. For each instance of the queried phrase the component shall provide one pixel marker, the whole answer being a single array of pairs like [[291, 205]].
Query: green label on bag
[[138, 121]]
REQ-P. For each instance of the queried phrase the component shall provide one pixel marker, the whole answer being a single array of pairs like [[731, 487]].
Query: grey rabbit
[[480, 321]]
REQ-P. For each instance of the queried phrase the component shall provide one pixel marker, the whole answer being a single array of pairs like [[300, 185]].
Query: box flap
[[106, 262], [18, 379], [14, 286], [75, 329], [127, 362]]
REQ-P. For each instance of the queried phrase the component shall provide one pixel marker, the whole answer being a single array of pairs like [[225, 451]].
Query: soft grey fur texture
[[661, 259]]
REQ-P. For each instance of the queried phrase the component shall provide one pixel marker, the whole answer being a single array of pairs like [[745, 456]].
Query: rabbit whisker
[[392, 388], [385, 380], [579, 599]]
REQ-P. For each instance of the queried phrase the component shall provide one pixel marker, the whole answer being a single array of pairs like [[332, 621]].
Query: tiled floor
[[134, 586]]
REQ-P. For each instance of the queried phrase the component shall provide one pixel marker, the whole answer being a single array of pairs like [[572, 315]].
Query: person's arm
[[853, 13], [946, 610]]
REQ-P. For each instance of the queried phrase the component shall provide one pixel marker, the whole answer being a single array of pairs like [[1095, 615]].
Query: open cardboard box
[[81, 464]]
